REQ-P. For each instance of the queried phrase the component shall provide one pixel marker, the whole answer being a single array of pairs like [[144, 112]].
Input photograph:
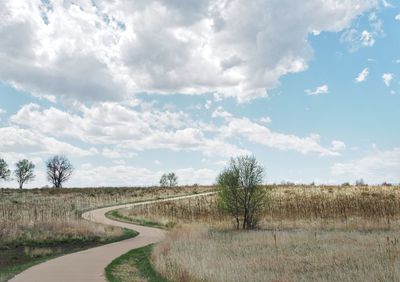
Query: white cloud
[[397, 17], [116, 153], [338, 145], [196, 176], [259, 134], [387, 78], [265, 120], [219, 112], [113, 175], [367, 38], [377, 167], [323, 89], [107, 50], [126, 129], [362, 76], [15, 140], [357, 39]]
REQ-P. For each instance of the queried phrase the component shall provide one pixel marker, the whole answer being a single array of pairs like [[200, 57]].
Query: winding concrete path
[[88, 265]]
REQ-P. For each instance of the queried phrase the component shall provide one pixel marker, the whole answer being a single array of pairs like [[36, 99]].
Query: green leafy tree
[[59, 170], [169, 180], [240, 192], [172, 179], [24, 172], [164, 180], [4, 171]]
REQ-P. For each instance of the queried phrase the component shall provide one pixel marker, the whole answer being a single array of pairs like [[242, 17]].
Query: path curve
[[88, 265]]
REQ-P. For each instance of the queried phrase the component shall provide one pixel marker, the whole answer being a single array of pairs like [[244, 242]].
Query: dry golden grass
[[297, 206], [200, 209], [55, 214], [195, 253], [307, 234]]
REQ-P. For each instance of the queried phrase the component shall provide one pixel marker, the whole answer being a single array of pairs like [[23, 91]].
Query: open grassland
[[55, 214], [322, 207], [40, 223], [306, 234], [195, 253]]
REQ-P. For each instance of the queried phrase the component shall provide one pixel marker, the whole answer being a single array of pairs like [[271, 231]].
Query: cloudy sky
[[129, 89]]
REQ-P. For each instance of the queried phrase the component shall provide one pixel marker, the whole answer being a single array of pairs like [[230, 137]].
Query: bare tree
[[241, 194], [59, 170], [4, 171], [24, 172]]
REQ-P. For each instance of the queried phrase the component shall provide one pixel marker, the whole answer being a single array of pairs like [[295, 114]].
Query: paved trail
[[88, 265]]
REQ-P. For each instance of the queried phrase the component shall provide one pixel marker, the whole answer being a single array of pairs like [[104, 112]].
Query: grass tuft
[[135, 265]]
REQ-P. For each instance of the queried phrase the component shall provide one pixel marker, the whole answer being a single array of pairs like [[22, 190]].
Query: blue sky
[[128, 90]]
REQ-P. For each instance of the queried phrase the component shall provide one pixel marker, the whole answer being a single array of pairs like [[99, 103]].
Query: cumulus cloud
[[362, 76], [323, 89], [259, 134], [18, 140], [397, 17], [377, 167], [135, 129], [387, 78], [108, 50], [126, 129]]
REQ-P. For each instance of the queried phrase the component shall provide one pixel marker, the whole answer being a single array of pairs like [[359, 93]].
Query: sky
[[130, 89]]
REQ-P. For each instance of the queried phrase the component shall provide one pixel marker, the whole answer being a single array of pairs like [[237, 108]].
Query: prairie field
[[39, 223], [307, 233], [199, 253], [366, 207], [42, 214]]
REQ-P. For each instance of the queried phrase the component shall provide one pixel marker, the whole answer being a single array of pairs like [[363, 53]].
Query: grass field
[[198, 253], [307, 234], [39, 224]]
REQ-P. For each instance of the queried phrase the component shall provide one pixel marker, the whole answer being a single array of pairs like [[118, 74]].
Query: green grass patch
[[134, 264], [115, 215]]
